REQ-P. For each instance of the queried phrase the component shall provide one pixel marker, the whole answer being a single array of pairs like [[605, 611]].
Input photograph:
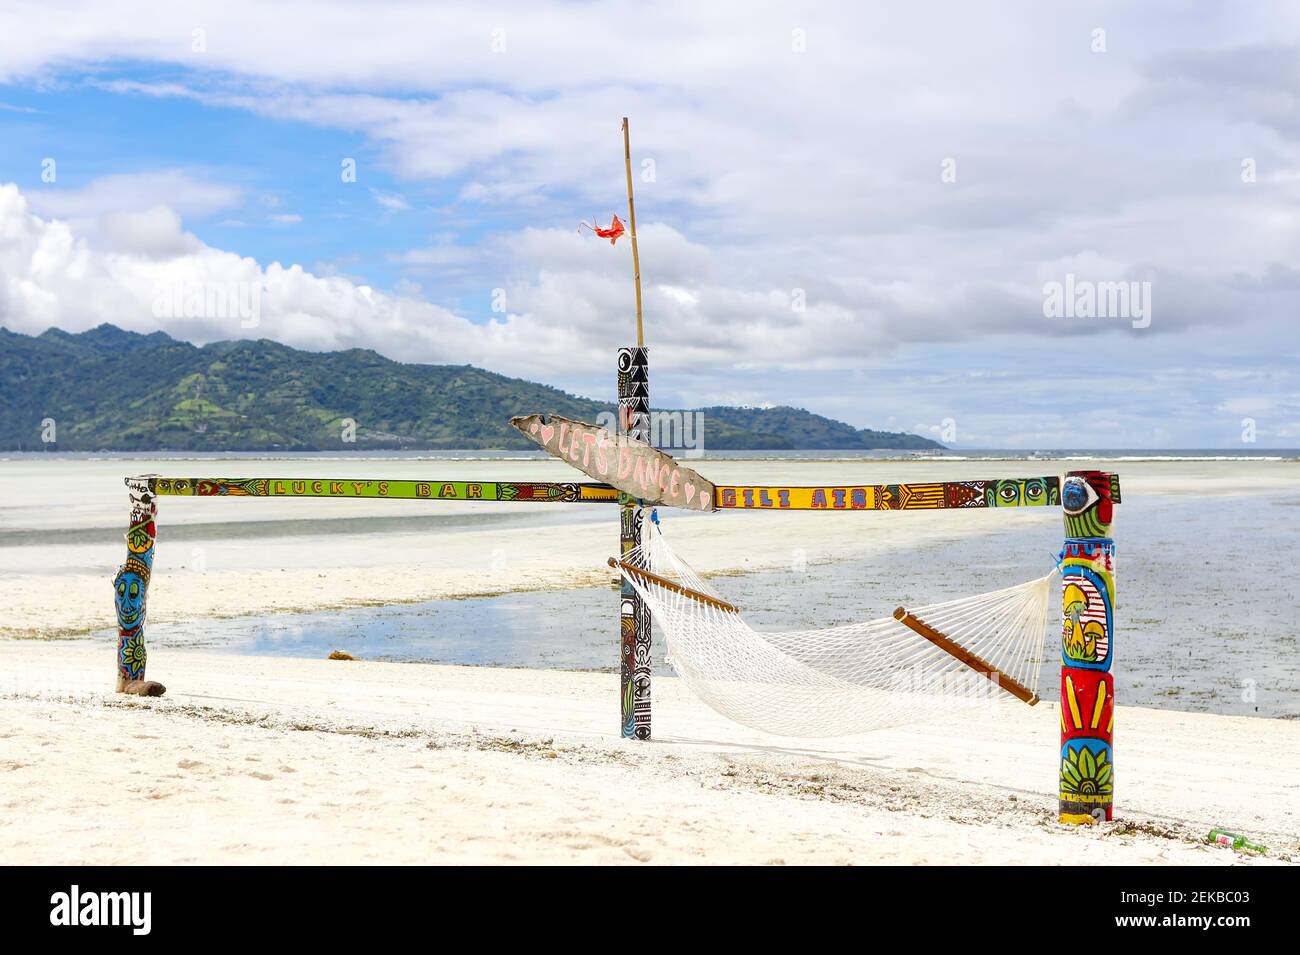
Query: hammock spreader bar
[[978, 664], [676, 588]]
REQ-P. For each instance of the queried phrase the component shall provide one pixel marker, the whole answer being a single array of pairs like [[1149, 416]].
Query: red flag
[[613, 233]]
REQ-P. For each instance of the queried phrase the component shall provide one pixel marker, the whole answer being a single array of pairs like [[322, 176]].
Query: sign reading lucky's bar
[[632, 467]]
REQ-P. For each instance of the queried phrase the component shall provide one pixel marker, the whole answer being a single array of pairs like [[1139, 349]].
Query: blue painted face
[[1076, 495], [129, 598]]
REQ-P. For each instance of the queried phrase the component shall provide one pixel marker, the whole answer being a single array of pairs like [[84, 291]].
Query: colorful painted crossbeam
[[1006, 492], [565, 493]]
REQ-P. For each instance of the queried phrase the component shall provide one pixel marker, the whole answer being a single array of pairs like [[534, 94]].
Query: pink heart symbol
[[533, 429], [548, 432], [690, 492]]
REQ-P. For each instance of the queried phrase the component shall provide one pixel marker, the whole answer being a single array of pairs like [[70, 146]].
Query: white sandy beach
[[250, 760], [272, 760]]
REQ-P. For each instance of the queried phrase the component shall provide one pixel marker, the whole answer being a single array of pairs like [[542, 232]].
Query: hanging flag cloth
[[613, 233]]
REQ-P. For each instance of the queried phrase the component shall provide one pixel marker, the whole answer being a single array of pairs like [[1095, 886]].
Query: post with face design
[[1087, 759], [130, 590], [634, 613]]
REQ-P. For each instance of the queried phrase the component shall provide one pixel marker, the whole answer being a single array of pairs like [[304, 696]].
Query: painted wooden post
[[634, 614], [131, 591], [1087, 767]]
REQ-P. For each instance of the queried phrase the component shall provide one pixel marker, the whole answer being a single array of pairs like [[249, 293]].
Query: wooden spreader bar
[[978, 664], [675, 587]]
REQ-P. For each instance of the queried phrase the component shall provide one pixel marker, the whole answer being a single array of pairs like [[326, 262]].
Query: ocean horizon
[[884, 454]]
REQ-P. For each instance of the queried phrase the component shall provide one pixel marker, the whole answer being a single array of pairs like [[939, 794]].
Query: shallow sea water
[[1207, 615]]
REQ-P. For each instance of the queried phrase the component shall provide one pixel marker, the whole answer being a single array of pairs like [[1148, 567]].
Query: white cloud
[[569, 306], [52, 276], [393, 203], [774, 171], [185, 192], [154, 232], [135, 213]]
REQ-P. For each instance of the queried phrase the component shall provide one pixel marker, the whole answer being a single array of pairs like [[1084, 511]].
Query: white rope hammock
[[848, 679]]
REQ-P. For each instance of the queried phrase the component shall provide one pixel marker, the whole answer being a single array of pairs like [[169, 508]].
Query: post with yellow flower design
[[131, 588], [1087, 767]]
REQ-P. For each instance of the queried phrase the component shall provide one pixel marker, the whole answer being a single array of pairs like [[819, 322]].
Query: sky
[[1012, 225]]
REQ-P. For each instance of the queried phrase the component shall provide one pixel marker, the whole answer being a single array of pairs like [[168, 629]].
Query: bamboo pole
[[675, 587], [978, 664], [631, 225], [634, 412]]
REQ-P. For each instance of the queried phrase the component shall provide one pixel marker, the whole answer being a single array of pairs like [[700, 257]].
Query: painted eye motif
[[1077, 495], [1034, 491], [1009, 492]]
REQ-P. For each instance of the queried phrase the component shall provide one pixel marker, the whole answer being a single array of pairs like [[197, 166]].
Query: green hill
[[109, 389]]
